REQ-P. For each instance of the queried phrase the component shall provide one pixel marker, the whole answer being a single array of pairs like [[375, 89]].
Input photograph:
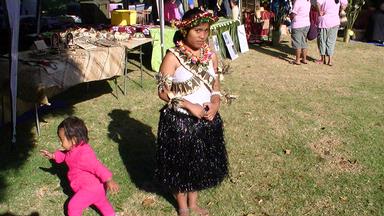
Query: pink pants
[[85, 198]]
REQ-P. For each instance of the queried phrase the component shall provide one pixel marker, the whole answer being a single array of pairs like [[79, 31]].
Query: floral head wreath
[[196, 20]]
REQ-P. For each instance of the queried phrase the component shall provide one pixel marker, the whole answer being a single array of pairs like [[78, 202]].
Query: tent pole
[[161, 10], [38, 17]]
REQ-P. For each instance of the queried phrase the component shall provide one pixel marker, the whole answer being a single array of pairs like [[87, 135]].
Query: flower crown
[[205, 17]]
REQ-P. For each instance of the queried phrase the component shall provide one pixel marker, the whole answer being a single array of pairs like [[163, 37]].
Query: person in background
[[191, 4], [191, 154], [87, 176], [235, 9], [329, 21], [300, 27], [173, 11], [376, 25]]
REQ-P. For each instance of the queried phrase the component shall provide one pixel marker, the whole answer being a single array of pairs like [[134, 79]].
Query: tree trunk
[[347, 35]]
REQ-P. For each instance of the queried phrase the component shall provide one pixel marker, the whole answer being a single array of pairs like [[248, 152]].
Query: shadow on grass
[[137, 149], [282, 51], [60, 170]]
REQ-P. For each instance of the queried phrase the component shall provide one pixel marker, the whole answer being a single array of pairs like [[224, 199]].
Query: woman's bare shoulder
[[169, 64]]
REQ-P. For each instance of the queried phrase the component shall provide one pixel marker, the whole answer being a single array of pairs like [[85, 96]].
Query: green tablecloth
[[156, 46], [226, 25], [216, 29]]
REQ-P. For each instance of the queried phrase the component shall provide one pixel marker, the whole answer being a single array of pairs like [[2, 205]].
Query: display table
[[41, 77], [216, 29], [134, 46]]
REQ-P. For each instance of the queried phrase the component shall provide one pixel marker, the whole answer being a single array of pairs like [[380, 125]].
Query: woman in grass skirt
[[191, 154]]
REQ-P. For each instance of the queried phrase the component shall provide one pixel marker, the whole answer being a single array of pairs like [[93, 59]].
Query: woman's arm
[[213, 107]]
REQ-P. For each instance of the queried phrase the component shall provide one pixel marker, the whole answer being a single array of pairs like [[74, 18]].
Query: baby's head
[[72, 132]]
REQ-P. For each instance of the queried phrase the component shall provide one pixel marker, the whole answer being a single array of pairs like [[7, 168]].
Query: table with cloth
[[216, 29], [41, 76]]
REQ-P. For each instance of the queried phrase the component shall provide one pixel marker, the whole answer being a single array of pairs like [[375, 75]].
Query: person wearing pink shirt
[[86, 174], [173, 10], [300, 27], [329, 21]]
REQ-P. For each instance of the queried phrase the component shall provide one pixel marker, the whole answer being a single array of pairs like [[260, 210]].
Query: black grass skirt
[[191, 154]]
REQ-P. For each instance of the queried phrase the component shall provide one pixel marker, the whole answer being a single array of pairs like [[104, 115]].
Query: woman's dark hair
[[188, 15], [191, 13], [74, 128]]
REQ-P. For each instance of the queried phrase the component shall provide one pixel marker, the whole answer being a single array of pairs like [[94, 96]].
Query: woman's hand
[[195, 109], [112, 186], [47, 154], [210, 110]]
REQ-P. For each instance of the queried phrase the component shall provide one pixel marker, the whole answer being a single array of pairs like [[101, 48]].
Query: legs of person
[[80, 201], [193, 206], [322, 45], [331, 42], [304, 55], [227, 7], [105, 207], [298, 56], [182, 203], [304, 47], [296, 45]]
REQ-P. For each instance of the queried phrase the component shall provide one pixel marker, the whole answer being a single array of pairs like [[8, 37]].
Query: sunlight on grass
[[302, 140]]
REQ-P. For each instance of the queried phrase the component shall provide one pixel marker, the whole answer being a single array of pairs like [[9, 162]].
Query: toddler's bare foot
[[199, 211], [183, 212]]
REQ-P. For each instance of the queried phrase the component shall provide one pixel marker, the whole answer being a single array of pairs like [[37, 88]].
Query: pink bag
[[313, 18]]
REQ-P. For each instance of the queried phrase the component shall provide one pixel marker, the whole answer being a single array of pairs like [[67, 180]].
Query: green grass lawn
[[302, 140]]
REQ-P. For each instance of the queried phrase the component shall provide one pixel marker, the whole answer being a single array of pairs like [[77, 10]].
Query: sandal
[[304, 62], [183, 212], [199, 211], [319, 62]]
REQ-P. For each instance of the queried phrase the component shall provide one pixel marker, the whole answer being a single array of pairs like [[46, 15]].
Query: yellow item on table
[[123, 17]]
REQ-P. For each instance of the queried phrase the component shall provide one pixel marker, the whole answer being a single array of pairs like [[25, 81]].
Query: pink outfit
[[331, 17], [171, 11], [87, 176], [301, 8]]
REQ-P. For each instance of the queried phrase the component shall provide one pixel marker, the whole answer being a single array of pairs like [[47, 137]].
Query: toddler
[[86, 174]]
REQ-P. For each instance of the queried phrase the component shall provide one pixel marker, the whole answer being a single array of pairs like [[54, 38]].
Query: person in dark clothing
[[376, 25]]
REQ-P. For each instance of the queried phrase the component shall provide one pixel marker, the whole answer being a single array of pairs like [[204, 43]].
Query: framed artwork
[[242, 39], [216, 43], [230, 46]]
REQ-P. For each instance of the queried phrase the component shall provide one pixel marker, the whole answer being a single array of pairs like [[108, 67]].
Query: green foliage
[[353, 9], [54, 7]]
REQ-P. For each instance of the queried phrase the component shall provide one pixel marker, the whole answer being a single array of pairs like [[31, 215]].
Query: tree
[[352, 11]]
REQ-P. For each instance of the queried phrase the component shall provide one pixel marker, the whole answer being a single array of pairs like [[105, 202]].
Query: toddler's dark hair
[[75, 128]]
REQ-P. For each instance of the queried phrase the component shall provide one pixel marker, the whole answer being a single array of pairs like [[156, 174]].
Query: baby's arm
[[47, 154], [112, 186], [58, 156]]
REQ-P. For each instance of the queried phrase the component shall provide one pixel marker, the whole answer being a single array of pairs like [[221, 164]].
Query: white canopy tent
[[13, 8]]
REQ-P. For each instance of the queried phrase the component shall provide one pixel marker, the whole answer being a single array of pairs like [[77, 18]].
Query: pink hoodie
[[84, 169]]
